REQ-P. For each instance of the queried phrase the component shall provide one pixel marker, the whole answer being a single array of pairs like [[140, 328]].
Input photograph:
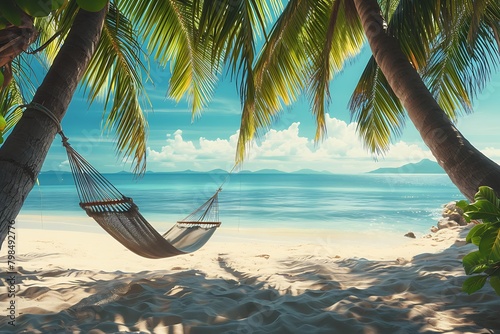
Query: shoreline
[[367, 244], [79, 222]]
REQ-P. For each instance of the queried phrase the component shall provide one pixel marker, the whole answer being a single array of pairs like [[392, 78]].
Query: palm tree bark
[[23, 153], [466, 166]]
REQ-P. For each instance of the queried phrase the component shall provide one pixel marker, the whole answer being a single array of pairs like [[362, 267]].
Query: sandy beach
[[246, 281]]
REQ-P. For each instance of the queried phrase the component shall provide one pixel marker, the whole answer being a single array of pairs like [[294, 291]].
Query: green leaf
[[173, 38], [493, 269], [474, 283], [302, 54], [474, 263], [3, 23], [3, 123], [485, 210], [115, 73], [1, 80], [475, 233], [377, 111], [10, 99], [490, 245], [487, 194], [476, 240], [56, 4], [38, 8], [495, 284], [11, 12], [462, 204]]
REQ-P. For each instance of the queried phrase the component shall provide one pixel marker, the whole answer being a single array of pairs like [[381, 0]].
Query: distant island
[[425, 166]]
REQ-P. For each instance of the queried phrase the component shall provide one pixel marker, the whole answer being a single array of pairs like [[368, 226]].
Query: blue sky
[[177, 143]]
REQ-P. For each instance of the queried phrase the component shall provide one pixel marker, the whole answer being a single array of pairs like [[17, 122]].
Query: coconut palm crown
[[454, 45], [197, 39]]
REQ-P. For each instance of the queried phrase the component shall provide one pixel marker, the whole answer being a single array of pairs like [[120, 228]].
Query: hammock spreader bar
[[120, 217]]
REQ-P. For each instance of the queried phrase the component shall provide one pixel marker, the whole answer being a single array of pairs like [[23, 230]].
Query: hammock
[[120, 217]]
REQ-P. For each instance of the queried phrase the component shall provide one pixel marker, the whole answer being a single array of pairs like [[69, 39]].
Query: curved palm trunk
[[24, 151], [465, 165]]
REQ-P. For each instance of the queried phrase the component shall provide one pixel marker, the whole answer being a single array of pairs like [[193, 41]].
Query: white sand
[[247, 281]]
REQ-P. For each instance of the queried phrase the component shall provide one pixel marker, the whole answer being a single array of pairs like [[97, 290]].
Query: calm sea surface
[[393, 202]]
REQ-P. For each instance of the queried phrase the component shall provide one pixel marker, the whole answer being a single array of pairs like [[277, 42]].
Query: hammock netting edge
[[120, 217]]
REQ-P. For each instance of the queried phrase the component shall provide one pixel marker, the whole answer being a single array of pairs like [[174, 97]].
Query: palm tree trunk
[[24, 151], [466, 166]]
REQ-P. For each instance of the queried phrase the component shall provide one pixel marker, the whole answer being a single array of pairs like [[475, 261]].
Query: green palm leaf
[[278, 73], [170, 31], [21, 89], [376, 109], [235, 36], [10, 100], [414, 24], [436, 42], [459, 68], [115, 74], [54, 28], [343, 39], [308, 44]]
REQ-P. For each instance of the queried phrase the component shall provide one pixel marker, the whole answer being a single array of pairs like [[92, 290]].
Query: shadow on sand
[[337, 296]]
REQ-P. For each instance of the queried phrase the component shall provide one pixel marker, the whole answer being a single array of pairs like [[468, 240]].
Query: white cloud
[[492, 153], [340, 152], [180, 154], [64, 165]]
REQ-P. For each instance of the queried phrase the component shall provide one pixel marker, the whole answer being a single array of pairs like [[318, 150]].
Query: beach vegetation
[[483, 264]]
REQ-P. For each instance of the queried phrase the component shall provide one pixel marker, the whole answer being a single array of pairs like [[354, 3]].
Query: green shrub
[[483, 264]]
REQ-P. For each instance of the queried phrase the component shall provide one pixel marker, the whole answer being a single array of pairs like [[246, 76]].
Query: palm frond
[[376, 110], [490, 18], [459, 68], [279, 72], [388, 8], [454, 70], [10, 100], [115, 73], [242, 26], [20, 90], [343, 39], [319, 87], [170, 29], [309, 43], [478, 10], [54, 29], [494, 25], [415, 24], [239, 32]]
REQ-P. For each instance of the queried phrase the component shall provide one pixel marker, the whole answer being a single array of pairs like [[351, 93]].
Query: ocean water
[[390, 202]]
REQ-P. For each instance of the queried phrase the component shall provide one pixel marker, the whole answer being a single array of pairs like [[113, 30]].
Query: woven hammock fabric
[[120, 217]]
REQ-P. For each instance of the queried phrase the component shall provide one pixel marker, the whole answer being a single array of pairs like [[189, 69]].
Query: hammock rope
[[118, 215]]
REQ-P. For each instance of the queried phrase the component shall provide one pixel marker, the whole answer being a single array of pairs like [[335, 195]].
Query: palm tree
[[23, 153], [466, 166], [103, 52], [453, 45]]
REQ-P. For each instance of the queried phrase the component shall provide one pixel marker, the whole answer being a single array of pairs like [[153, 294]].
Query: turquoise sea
[[391, 202]]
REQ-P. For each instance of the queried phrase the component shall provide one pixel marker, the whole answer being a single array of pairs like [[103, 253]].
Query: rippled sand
[[266, 281]]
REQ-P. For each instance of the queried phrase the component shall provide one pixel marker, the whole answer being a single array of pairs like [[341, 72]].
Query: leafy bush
[[484, 263]]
